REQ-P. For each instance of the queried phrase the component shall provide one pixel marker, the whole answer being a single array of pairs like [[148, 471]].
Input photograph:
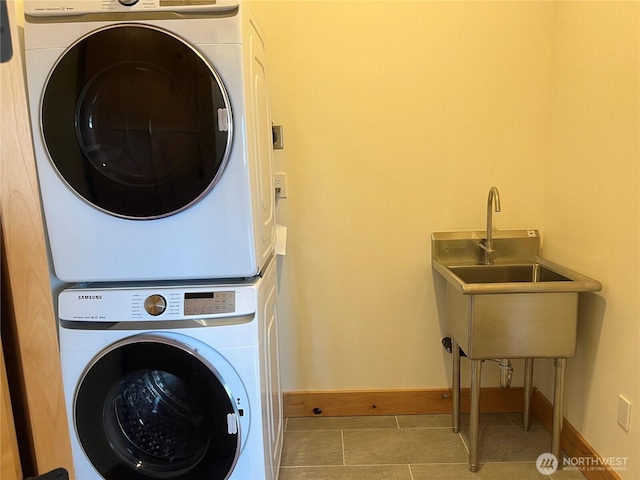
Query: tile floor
[[412, 447]]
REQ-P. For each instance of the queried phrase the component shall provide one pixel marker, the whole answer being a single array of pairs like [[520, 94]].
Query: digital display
[[190, 296], [209, 303]]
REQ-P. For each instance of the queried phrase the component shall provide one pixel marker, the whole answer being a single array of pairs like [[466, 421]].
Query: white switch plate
[[624, 412]]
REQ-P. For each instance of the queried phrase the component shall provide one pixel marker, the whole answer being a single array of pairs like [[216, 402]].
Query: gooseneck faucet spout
[[493, 200]]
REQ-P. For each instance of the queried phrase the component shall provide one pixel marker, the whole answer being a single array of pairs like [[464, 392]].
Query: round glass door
[[146, 409], [136, 122]]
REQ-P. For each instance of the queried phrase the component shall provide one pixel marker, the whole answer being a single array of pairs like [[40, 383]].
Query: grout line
[[509, 419], [448, 429], [397, 422], [514, 462], [410, 472], [463, 442], [344, 459]]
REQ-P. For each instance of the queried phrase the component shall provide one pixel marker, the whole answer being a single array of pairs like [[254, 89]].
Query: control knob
[[128, 3], [155, 305]]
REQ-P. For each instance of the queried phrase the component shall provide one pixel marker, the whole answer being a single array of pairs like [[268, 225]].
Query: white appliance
[[173, 381], [152, 137]]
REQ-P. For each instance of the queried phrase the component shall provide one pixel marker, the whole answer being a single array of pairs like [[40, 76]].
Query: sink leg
[[558, 404], [455, 417], [528, 389], [474, 420]]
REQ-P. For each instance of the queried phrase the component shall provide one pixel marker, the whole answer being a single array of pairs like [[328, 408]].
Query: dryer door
[[154, 406], [136, 122]]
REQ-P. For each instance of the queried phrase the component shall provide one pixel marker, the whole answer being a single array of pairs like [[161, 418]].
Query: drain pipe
[[506, 371]]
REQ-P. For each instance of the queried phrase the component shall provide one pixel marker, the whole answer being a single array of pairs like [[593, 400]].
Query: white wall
[[592, 213]]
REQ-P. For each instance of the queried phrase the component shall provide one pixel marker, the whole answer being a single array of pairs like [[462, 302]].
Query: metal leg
[[455, 416], [474, 420], [558, 404], [528, 389]]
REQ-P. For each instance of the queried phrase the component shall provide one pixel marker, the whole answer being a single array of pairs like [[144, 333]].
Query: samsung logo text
[[89, 297]]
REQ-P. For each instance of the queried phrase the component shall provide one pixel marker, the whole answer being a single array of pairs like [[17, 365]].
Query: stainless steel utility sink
[[518, 306]]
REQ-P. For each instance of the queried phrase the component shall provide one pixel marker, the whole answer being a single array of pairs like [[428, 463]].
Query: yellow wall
[[592, 213], [398, 118]]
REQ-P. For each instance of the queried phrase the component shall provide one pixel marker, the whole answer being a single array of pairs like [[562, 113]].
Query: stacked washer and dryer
[[153, 146]]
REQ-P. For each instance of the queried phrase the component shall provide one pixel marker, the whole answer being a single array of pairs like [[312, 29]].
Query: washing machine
[[173, 381], [152, 137]]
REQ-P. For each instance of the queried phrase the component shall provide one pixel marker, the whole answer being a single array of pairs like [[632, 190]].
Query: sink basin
[[507, 273], [523, 306], [535, 276]]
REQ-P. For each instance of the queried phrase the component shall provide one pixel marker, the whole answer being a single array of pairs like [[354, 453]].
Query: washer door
[[136, 122], [153, 406]]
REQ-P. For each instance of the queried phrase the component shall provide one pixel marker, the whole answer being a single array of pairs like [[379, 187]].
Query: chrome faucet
[[489, 253]]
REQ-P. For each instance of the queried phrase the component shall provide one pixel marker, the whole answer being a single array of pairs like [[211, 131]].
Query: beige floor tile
[[487, 471], [341, 423], [375, 447], [516, 418], [511, 444], [381, 472], [429, 421], [309, 448], [488, 420], [424, 421], [570, 473], [412, 447]]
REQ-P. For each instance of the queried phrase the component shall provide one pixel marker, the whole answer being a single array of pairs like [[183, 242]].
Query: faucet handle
[[489, 253]]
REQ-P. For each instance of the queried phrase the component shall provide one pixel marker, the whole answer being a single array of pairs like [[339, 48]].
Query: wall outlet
[[624, 412], [280, 184]]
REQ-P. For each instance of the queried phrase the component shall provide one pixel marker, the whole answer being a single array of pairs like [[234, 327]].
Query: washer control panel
[[121, 304]]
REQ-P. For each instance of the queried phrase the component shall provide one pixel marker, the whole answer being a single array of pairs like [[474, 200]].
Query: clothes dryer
[[173, 381], [152, 138]]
